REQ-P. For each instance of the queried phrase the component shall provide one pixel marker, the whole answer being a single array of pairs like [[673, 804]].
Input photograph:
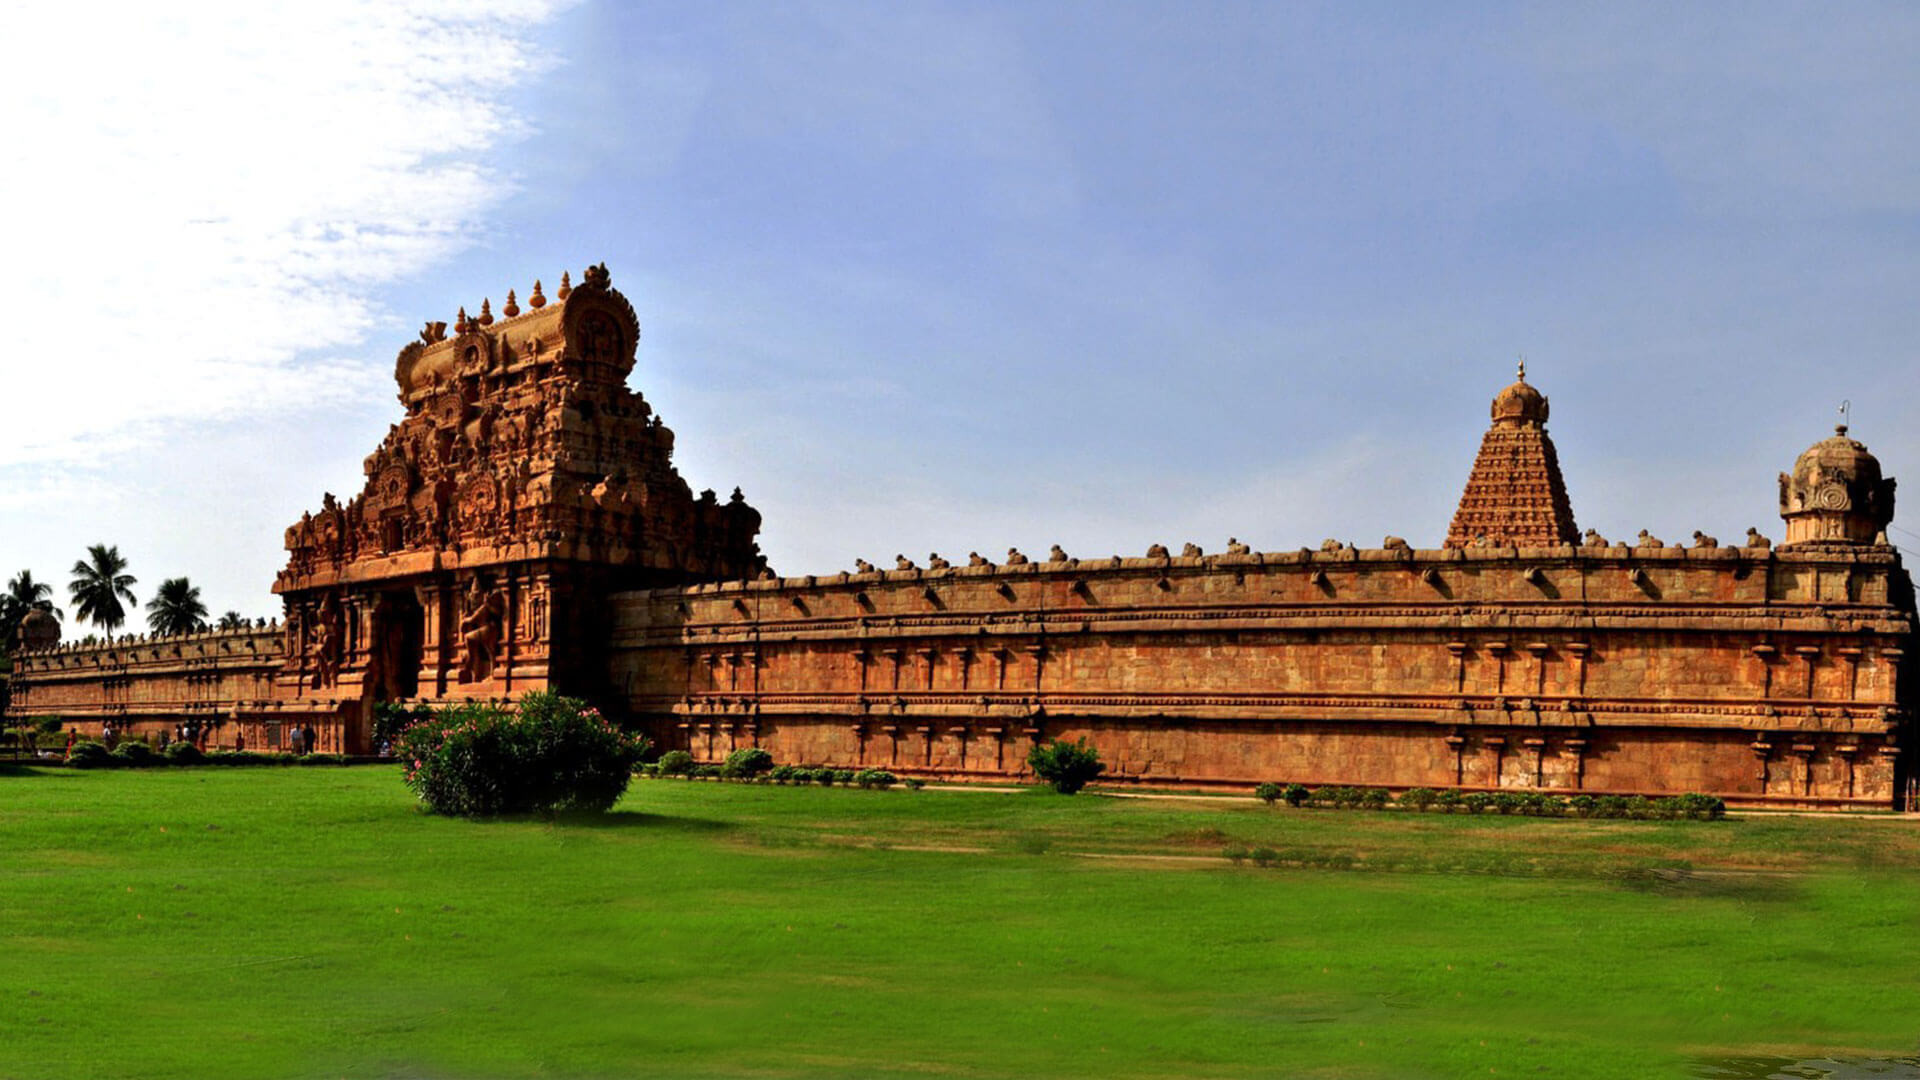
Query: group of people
[[300, 740]]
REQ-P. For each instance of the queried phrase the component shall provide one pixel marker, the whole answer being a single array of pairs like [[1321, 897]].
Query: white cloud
[[202, 198]]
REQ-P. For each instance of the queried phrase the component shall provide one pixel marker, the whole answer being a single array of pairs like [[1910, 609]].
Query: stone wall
[[220, 681], [1767, 677]]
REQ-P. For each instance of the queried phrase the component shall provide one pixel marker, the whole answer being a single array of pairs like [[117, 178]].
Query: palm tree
[[30, 594], [23, 595], [233, 620], [176, 608], [99, 585]]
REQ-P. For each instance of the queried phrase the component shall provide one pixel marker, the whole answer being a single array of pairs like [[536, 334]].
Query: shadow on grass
[[612, 819], [24, 770]]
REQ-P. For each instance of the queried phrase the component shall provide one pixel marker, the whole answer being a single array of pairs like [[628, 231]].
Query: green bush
[[1507, 802], [747, 763], [1296, 795], [240, 757], [1067, 766], [676, 763], [1345, 797], [184, 753], [391, 718], [136, 754], [1476, 802], [1449, 800], [1264, 856], [321, 759], [914, 783], [1419, 798], [1268, 793], [780, 774], [542, 754], [874, 778], [1236, 852], [90, 755], [823, 776], [1375, 798], [844, 777], [1703, 807], [709, 771]]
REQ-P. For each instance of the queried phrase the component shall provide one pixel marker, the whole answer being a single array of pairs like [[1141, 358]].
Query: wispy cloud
[[203, 198]]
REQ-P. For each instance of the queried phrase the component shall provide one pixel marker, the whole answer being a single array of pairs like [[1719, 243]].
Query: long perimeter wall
[[1765, 676], [218, 683]]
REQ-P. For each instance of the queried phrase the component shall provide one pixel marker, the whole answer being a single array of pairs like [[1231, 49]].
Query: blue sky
[[948, 277]]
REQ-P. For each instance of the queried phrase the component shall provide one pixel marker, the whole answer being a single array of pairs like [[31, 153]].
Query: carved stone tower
[[525, 483], [1835, 494], [1515, 496]]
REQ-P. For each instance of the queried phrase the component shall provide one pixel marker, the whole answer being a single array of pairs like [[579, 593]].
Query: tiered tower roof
[[1515, 495]]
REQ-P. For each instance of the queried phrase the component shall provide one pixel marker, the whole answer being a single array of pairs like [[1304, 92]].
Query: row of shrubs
[[134, 754], [1522, 803], [755, 765]]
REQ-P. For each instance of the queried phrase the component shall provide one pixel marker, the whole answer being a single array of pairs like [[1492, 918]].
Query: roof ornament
[[486, 312], [1523, 369], [538, 300], [566, 287], [513, 306], [1846, 417], [460, 321]]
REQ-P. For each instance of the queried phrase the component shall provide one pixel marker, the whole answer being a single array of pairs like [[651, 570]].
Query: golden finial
[[513, 306], [1523, 369], [537, 300], [486, 312], [460, 321], [566, 287]]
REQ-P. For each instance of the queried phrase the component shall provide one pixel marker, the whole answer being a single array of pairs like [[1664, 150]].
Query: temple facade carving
[[522, 526]]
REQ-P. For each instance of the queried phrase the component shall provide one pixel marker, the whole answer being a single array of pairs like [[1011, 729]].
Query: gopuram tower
[[1515, 496], [524, 484]]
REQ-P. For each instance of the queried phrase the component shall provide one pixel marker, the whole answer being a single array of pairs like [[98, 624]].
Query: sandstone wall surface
[[1764, 676], [221, 681]]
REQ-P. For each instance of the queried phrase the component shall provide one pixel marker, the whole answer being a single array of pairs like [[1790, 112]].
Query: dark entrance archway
[[393, 656]]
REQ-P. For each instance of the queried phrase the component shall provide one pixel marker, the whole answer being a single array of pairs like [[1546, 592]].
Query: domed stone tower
[[38, 630], [1835, 494], [1515, 495]]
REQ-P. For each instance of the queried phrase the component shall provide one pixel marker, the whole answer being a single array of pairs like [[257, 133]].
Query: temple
[[522, 526]]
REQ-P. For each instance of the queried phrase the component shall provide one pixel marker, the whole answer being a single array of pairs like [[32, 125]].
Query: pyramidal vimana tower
[[522, 526]]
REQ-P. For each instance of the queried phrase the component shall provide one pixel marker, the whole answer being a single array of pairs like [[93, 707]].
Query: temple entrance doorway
[[393, 662]]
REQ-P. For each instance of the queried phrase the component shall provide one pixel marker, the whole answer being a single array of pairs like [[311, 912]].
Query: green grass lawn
[[211, 922]]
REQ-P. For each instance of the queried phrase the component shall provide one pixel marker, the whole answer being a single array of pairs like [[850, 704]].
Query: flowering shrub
[[543, 753]]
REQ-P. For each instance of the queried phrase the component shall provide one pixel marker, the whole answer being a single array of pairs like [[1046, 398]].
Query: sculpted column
[[435, 639]]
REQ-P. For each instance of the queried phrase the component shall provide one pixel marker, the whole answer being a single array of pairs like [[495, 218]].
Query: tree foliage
[[23, 595], [100, 582], [176, 608]]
